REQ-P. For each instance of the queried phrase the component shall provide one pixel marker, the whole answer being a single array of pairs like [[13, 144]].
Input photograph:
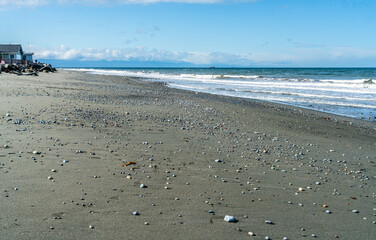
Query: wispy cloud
[[22, 3], [297, 57], [11, 4]]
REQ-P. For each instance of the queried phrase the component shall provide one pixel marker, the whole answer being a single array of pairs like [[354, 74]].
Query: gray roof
[[10, 48]]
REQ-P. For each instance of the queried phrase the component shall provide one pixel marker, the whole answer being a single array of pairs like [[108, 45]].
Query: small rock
[[229, 218]]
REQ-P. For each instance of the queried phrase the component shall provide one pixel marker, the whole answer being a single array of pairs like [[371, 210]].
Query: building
[[13, 53], [28, 56]]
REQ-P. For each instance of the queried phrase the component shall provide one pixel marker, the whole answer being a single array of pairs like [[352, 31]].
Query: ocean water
[[343, 91]]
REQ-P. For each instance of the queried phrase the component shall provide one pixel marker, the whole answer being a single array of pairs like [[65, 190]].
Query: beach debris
[[143, 186], [218, 160], [355, 211], [128, 163], [269, 222], [135, 213], [251, 234], [36, 152], [91, 226], [29, 70], [229, 218]]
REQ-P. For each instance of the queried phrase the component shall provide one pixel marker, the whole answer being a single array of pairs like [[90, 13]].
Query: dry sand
[[279, 163]]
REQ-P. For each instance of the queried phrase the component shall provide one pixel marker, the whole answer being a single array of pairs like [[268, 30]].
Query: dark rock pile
[[31, 69]]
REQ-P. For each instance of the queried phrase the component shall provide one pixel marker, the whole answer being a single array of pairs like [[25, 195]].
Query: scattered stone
[[229, 218]]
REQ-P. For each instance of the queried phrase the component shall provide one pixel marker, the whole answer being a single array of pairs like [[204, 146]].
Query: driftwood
[[28, 70]]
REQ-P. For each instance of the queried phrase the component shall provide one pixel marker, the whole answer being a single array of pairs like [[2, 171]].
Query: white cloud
[[334, 56]]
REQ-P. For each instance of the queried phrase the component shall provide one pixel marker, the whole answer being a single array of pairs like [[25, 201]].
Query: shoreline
[[196, 158], [288, 109], [327, 114]]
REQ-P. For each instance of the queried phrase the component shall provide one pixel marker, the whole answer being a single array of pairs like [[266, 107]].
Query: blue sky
[[268, 33]]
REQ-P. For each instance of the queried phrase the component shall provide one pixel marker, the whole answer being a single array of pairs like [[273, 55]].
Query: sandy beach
[[104, 157]]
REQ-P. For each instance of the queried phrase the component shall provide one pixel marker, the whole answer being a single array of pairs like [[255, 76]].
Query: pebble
[[143, 186], [36, 152], [251, 234], [328, 212], [135, 213], [229, 218], [218, 160], [355, 211]]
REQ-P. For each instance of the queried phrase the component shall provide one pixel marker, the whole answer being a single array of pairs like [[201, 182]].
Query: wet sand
[[67, 137]]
